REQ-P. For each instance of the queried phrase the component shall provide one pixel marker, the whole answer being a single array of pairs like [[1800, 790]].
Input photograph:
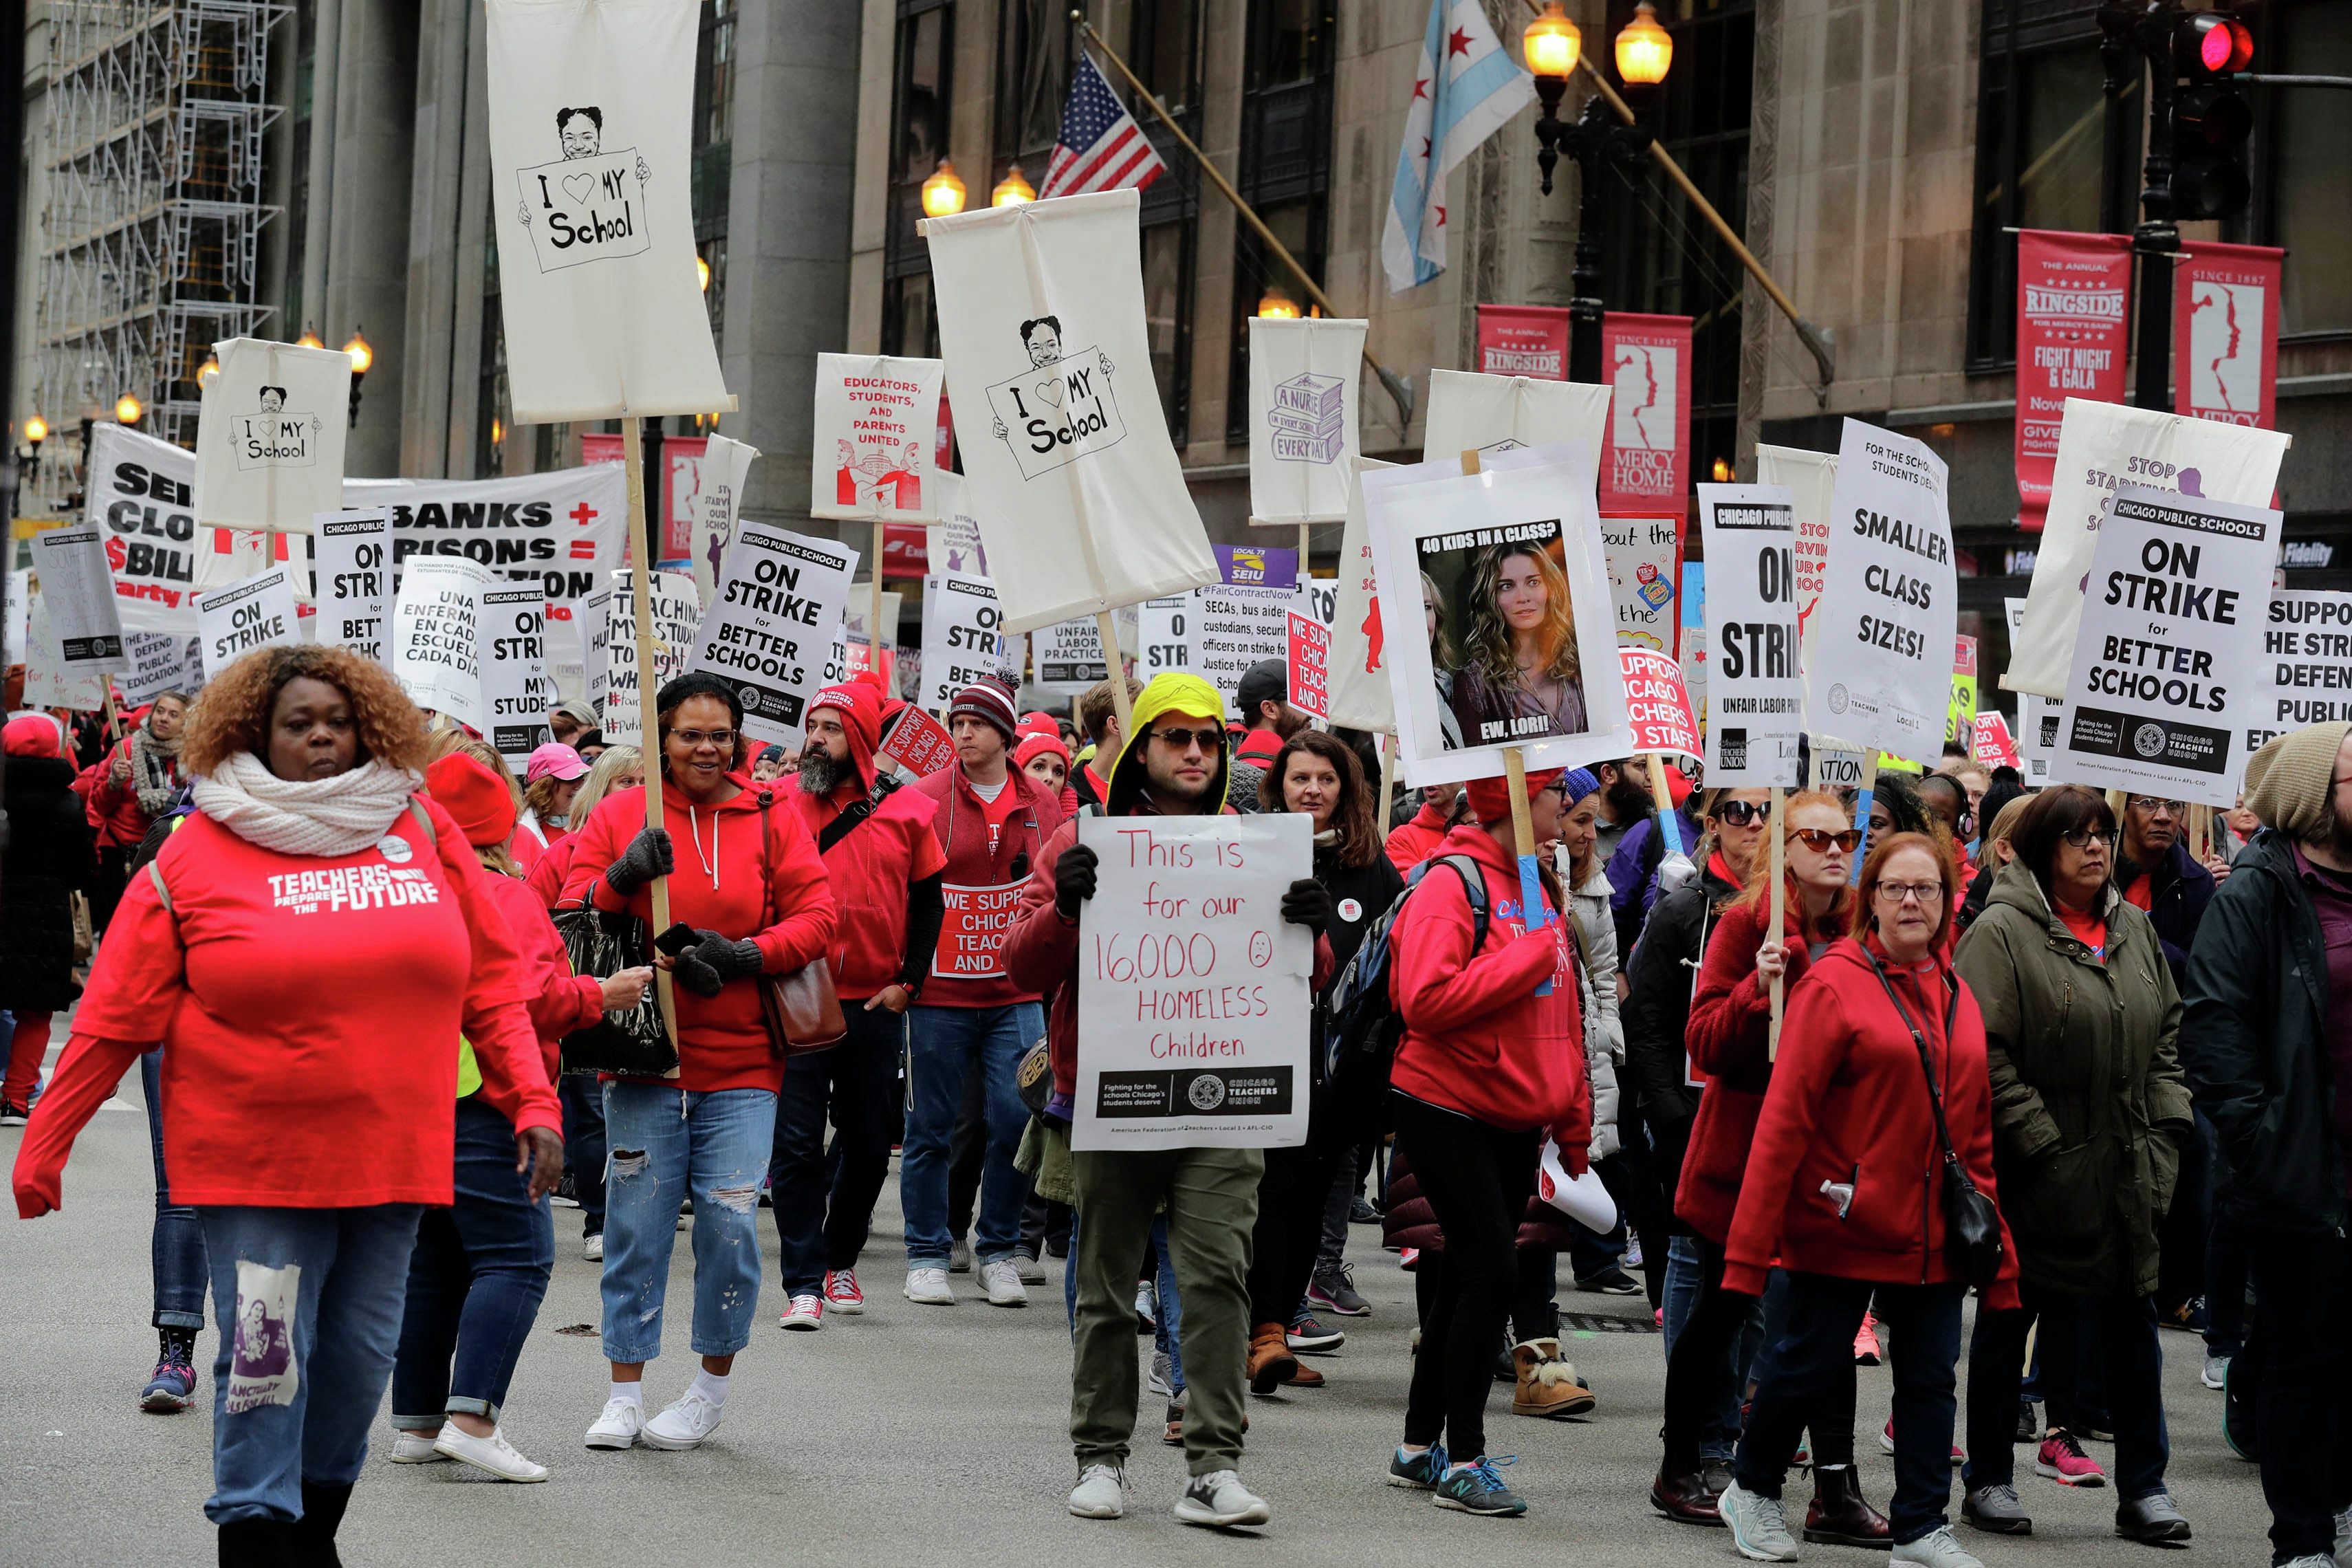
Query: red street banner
[[681, 494], [1995, 747], [2225, 332], [919, 744], [1645, 462], [1522, 339], [2072, 319], [1311, 666], [1656, 703]]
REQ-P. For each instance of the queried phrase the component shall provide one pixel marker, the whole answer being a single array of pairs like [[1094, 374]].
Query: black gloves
[[711, 962], [648, 857], [1074, 879], [1307, 902]]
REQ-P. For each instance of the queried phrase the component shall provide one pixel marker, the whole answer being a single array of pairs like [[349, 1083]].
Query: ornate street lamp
[[1276, 306], [362, 356], [943, 192], [1012, 191]]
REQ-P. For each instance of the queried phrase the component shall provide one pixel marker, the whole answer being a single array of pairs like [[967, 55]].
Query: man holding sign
[[1241, 1082]]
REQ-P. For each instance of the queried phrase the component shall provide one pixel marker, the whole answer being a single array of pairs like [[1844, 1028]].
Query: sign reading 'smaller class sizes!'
[[1192, 989]]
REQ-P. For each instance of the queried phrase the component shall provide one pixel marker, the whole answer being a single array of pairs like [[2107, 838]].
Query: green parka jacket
[[2089, 1106]]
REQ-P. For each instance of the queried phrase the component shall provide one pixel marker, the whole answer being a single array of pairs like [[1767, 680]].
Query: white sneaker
[[929, 1288], [592, 1247], [1936, 1549], [2343, 1538], [806, 1314], [416, 1449], [1219, 1500], [622, 1421], [492, 1453], [1758, 1529], [1002, 1280], [689, 1420], [1101, 1492]]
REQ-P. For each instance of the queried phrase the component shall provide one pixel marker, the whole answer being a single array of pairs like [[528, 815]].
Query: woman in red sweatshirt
[[481, 1267], [304, 949], [1843, 1188], [749, 885], [1491, 1062], [1728, 1036]]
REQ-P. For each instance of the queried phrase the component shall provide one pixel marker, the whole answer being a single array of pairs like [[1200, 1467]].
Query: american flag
[[1100, 147]]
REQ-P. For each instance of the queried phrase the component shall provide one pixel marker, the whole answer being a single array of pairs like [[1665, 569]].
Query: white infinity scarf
[[339, 815]]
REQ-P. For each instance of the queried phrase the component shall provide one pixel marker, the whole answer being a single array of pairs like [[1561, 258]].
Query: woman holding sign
[[1520, 678], [133, 786]]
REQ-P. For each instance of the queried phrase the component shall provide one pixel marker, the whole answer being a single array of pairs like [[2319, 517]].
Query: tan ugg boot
[[1271, 1365], [1548, 1386]]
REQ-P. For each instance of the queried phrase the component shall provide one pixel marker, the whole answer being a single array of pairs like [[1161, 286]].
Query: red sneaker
[[1866, 1343], [2060, 1457], [841, 1291]]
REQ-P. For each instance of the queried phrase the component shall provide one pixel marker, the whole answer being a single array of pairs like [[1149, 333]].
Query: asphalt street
[[910, 1434]]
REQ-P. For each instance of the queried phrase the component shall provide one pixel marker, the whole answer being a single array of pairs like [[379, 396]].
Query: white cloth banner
[[49, 680], [2306, 670], [676, 614], [1492, 414], [1755, 701], [80, 593], [2168, 670], [954, 545], [1888, 604], [269, 438], [726, 467], [258, 612], [876, 418], [1192, 989], [962, 639], [564, 529], [1360, 683], [1072, 476], [1497, 548], [592, 105], [436, 636], [2100, 446], [350, 566], [516, 690], [1305, 379], [160, 662], [773, 625], [1640, 552]]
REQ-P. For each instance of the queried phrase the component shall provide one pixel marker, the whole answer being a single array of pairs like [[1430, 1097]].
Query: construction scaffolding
[[152, 228]]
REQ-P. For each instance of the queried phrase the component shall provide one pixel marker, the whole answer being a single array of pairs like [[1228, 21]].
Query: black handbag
[[1971, 1223], [633, 1043]]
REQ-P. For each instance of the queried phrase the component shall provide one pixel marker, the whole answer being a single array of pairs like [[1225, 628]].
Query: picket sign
[[1523, 824]]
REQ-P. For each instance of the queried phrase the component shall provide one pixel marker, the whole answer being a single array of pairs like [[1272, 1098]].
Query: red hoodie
[[1477, 1038], [309, 1009], [984, 885], [1417, 840], [725, 880], [562, 1002], [872, 866], [113, 808], [1848, 1107]]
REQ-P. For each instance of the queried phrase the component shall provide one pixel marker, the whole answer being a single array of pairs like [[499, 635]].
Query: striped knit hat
[[991, 700]]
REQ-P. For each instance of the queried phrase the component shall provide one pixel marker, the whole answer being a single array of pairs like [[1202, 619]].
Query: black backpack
[[1362, 1025]]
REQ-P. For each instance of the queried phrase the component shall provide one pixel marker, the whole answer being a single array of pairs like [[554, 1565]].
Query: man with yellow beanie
[[2266, 1043]]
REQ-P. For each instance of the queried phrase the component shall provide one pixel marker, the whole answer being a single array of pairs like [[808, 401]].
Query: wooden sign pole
[[1515, 774], [1388, 780], [632, 452], [1778, 832], [1115, 671], [873, 620]]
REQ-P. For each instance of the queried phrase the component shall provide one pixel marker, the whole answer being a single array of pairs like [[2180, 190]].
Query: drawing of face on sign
[[273, 438], [1062, 408], [592, 200]]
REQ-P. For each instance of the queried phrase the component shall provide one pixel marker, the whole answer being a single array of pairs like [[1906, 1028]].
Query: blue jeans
[[1686, 1275], [943, 1044], [475, 1282], [582, 1098], [825, 1208], [665, 1144], [177, 1248], [332, 1325]]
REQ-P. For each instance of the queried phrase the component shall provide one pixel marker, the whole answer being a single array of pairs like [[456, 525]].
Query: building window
[[714, 149], [924, 49], [1284, 168], [1659, 256], [2052, 153], [2299, 188], [1164, 51], [1033, 40]]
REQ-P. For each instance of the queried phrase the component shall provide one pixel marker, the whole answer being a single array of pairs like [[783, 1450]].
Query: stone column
[[436, 180], [367, 263], [326, 55]]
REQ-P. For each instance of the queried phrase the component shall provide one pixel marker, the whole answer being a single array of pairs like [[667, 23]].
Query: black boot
[[258, 1543], [314, 1533]]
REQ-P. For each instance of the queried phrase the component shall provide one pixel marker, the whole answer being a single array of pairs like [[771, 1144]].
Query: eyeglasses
[[695, 740], [1185, 739], [2084, 838], [1740, 813], [1903, 893], [1819, 839], [2151, 805]]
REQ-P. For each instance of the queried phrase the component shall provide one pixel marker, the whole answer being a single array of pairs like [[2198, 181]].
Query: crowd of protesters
[[2028, 1046]]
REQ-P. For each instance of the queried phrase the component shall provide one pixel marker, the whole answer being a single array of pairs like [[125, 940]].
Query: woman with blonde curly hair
[[302, 950], [1520, 656]]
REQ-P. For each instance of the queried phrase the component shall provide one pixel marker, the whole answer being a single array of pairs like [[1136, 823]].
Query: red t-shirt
[[2089, 928], [990, 850], [560, 1002], [2141, 894]]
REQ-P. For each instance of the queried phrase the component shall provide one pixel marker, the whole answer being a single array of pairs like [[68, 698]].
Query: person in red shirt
[[1843, 1190], [885, 864], [308, 1107], [992, 820], [754, 895], [1413, 842], [551, 776], [129, 787], [481, 1266], [1264, 697], [1043, 757]]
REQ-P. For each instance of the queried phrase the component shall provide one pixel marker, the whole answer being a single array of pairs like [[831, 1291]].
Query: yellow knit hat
[[2288, 780]]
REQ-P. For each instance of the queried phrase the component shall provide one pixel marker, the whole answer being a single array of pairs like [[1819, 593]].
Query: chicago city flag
[[1465, 87]]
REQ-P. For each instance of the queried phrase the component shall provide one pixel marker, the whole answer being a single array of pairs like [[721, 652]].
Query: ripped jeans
[[664, 1144]]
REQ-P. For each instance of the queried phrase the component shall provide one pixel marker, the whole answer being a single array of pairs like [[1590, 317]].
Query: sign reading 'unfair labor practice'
[[1192, 987], [2168, 662]]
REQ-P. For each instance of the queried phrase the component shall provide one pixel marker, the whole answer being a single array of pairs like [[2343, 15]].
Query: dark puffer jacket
[[1408, 1220], [48, 859]]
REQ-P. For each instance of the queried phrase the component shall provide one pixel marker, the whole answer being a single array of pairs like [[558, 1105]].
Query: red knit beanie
[[1491, 798], [475, 797]]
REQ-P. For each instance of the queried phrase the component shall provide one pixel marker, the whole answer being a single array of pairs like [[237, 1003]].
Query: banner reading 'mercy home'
[[1646, 360], [2071, 337], [2225, 321], [1888, 608]]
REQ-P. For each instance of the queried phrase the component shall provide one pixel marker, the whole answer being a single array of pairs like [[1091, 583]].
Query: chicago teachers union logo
[[1061, 408], [1838, 697], [2148, 739], [1207, 1092]]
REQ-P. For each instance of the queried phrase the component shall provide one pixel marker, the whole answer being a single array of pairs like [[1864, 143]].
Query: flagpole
[[1399, 389]]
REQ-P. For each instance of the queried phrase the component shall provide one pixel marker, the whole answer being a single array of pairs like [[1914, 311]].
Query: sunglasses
[[1819, 839], [1739, 813], [1185, 739]]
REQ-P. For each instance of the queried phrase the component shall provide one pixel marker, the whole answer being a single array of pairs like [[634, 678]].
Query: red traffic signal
[[2209, 45]]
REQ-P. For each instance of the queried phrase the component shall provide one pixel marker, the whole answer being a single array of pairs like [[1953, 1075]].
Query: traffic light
[[2210, 117]]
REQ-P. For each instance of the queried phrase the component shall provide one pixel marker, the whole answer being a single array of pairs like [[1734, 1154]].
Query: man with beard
[[1624, 801], [886, 867], [2267, 1044]]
